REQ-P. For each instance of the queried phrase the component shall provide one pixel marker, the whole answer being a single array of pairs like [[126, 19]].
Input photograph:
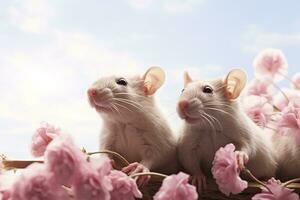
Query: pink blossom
[[102, 164], [124, 187], [5, 194], [296, 81], [289, 121], [225, 171], [271, 62], [62, 158], [176, 187], [280, 101], [91, 185], [278, 192], [260, 87], [258, 109], [42, 137], [38, 184]]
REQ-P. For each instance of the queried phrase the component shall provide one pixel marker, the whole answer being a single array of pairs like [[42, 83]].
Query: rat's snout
[[189, 109], [183, 105], [100, 97], [92, 92]]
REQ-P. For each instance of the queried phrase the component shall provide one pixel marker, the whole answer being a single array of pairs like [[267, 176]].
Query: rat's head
[[125, 97], [202, 100]]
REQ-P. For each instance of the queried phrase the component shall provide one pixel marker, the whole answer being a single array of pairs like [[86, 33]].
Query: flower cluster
[[225, 171], [278, 112], [68, 173]]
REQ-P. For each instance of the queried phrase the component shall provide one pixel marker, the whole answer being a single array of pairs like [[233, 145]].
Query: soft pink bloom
[[258, 109], [289, 121], [42, 137], [91, 185], [271, 62], [280, 101], [102, 164], [296, 81], [260, 87], [225, 171], [124, 187], [278, 192], [38, 184], [176, 187], [62, 158], [4, 194]]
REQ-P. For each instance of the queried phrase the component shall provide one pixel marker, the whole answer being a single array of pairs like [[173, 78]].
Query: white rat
[[213, 118], [132, 123]]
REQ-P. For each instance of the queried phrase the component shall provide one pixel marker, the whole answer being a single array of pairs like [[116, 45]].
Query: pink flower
[[289, 121], [62, 158], [124, 187], [296, 81], [38, 184], [102, 164], [91, 185], [4, 195], [278, 192], [42, 137], [225, 171], [176, 187], [280, 101], [260, 87], [271, 62], [258, 109]]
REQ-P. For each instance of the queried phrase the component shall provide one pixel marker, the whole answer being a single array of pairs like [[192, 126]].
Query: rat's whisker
[[222, 111], [125, 102], [131, 101], [118, 104], [116, 108]]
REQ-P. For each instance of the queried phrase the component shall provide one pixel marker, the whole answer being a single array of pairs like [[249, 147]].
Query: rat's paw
[[134, 168], [199, 181], [242, 159]]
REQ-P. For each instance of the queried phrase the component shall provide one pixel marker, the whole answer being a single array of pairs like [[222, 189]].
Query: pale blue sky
[[51, 51]]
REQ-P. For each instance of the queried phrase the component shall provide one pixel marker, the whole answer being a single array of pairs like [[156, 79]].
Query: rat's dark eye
[[207, 89], [121, 81]]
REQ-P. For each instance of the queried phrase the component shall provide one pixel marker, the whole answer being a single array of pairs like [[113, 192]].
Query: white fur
[[138, 131], [199, 142]]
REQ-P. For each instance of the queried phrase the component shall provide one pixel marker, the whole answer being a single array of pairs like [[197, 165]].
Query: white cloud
[[31, 15], [255, 39], [167, 6]]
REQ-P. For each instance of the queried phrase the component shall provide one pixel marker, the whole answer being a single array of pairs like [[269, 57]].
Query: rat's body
[[147, 139], [213, 118], [133, 126], [287, 156]]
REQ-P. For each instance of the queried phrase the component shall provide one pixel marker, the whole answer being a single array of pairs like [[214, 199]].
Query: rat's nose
[[92, 92], [183, 105]]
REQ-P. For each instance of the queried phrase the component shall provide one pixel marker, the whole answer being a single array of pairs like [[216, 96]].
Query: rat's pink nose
[[183, 105], [92, 92]]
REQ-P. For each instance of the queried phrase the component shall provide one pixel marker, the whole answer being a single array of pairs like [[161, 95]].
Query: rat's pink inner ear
[[186, 78], [235, 83], [154, 78]]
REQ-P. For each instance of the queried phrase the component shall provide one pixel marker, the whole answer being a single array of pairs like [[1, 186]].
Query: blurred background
[[51, 52]]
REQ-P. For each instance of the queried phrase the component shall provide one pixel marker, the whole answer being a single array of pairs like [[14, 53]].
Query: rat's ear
[[153, 80], [235, 83], [186, 78]]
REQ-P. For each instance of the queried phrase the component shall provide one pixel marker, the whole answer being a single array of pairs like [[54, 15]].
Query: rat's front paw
[[199, 181], [242, 159], [134, 168]]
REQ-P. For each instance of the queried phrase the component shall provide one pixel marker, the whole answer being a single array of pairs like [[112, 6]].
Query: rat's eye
[[182, 90], [121, 81], [207, 89]]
